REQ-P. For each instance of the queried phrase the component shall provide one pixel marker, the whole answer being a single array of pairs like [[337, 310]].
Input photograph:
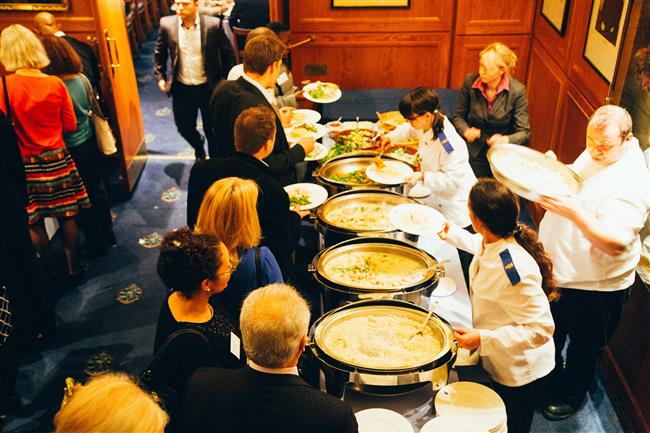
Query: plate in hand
[[307, 195], [416, 219], [392, 173]]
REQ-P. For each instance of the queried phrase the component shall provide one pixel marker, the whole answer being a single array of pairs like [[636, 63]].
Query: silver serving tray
[[530, 173], [426, 261], [441, 331]]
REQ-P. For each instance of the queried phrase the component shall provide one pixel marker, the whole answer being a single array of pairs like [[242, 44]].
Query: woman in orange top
[[41, 111]]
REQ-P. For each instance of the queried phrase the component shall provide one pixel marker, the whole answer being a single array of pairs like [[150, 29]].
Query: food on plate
[[299, 197], [390, 120], [381, 341], [361, 217], [298, 117], [375, 269], [352, 140], [303, 130], [403, 154], [321, 90], [318, 149], [416, 221], [357, 176]]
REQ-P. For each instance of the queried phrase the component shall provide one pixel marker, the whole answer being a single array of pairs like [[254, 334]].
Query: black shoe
[[559, 411], [199, 156]]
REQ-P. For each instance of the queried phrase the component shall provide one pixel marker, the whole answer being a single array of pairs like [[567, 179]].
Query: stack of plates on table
[[382, 420], [480, 407]]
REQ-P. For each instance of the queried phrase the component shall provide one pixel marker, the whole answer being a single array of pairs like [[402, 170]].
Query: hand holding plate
[[307, 144]]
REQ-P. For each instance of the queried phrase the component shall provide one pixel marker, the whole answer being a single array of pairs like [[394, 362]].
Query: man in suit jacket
[[254, 131], [262, 62], [200, 55], [46, 24], [267, 395]]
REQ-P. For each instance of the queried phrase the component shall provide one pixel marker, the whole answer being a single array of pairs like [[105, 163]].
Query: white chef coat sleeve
[[464, 240], [528, 311], [401, 133], [625, 214], [453, 165]]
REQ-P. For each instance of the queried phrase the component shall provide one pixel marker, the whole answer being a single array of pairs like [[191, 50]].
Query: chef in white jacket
[[444, 160], [593, 240], [509, 275]]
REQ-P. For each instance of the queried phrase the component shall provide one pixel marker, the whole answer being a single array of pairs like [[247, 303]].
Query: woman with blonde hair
[[492, 107], [229, 211], [110, 402], [41, 110]]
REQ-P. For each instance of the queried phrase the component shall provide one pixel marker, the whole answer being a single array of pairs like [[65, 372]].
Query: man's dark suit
[[249, 401], [279, 225], [218, 58], [229, 99], [88, 59], [508, 116]]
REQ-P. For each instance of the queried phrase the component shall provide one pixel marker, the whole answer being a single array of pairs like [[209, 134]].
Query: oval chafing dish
[[432, 367]]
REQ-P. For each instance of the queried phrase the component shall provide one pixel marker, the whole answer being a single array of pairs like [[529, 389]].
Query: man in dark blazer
[[505, 122], [254, 131], [200, 55], [46, 24], [262, 62], [268, 395]]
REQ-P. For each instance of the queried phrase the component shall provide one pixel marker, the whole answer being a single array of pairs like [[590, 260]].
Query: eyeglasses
[[229, 271], [416, 117]]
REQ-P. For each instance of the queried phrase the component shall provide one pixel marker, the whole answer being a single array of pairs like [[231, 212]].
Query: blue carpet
[[96, 332]]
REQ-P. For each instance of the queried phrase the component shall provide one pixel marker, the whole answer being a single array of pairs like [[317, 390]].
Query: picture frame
[[371, 4], [605, 33], [556, 12], [31, 5]]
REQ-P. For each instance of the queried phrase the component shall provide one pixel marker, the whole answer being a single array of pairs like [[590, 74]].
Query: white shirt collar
[[197, 23], [288, 370], [260, 88], [59, 34]]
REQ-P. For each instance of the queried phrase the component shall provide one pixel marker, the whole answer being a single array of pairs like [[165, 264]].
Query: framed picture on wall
[[34, 5], [556, 12], [604, 35], [370, 3]]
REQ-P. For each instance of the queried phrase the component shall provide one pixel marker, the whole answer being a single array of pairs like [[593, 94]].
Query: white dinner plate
[[316, 194], [419, 191], [320, 151], [320, 132], [481, 406], [311, 86], [416, 219], [382, 420], [304, 115], [446, 286], [392, 173], [448, 424]]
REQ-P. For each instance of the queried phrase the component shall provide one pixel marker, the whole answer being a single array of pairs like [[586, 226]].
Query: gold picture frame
[[556, 12], [371, 3], [43, 5]]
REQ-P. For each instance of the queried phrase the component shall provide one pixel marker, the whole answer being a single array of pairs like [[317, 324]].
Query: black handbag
[[153, 378]]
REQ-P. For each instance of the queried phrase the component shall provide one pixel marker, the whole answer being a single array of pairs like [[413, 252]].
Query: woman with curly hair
[[511, 283]]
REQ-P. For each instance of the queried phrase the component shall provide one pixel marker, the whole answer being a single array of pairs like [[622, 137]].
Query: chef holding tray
[[446, 173]]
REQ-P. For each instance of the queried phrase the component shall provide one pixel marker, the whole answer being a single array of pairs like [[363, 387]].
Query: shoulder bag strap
[[92, 98], [258, 267], [146, 374], [5, 90]]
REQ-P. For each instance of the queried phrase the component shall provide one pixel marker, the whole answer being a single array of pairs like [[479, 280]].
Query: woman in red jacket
[[41, 111]]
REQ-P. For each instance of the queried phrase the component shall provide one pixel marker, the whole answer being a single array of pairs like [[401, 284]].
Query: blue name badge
[[509, 267], [445, 143]]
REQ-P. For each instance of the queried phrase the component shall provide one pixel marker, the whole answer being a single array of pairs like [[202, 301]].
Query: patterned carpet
[[108, 322]]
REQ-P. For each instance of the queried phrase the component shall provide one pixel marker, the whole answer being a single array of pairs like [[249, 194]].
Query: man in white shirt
[[593, 241], [200, 54]]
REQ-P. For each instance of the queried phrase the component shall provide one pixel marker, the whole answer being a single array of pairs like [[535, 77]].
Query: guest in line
[[268, 394], [492, 107], [229, 212], [41, 110]]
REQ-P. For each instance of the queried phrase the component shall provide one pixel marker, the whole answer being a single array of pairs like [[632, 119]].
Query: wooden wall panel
[[376, 60], [574, 114], [546, 88], [557, 46], [422, 16], [465, 55], [480, 17]]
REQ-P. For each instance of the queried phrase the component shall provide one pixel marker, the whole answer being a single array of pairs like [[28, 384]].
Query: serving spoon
[[420, 331]]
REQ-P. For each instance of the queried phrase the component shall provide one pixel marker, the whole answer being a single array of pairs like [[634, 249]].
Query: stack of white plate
[[470, 407], [382, 420]]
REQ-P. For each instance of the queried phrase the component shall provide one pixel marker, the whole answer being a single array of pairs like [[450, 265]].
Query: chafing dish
[[416, 275], [530, 173], [340, 217], [431, 366]]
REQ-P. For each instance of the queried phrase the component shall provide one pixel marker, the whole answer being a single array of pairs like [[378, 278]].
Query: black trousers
[[589, 319], [187, 101], [520, 404], [96, 222], [466, 258]]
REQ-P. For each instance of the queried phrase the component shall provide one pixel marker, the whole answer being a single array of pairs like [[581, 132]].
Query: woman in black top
[[195, 267]]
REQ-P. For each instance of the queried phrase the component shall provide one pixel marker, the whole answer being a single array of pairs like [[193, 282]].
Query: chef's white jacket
[[619, 195], [514, 320], [447, 173]]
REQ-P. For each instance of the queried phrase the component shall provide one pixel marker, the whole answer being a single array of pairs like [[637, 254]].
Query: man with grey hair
[[593, 241], [267, 395]]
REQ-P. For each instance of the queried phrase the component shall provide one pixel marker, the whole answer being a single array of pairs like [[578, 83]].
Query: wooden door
[[122, 89]]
